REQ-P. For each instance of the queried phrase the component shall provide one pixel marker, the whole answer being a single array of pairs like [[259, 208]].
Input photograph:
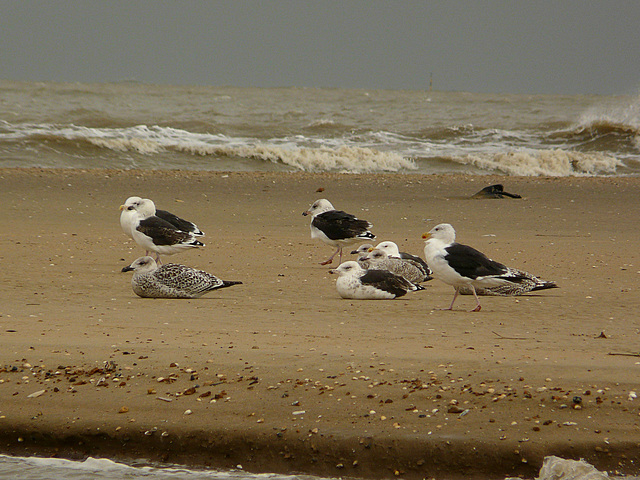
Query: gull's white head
[[390, 247], [130, 204], [376, 256], [142, 265], [146, 208], [318, 207], [362, 250], [128, 212], [349, 268], [443, 232]]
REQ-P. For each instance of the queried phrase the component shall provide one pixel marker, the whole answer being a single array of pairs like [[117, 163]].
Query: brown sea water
[[34, 468], [129, 125]]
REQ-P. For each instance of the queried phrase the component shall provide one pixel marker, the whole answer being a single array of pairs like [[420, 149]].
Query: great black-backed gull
[[357, 283], [336, 228], [462, 266], [132, 207], [157, 235], [171, 280], [393, 251], [378, 259]]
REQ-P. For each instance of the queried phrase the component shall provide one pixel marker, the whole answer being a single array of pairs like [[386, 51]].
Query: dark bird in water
[[494, 191]]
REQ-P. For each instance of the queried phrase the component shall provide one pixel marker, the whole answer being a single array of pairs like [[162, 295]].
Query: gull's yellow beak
[[426, 236], [122, 207], [370, 250]]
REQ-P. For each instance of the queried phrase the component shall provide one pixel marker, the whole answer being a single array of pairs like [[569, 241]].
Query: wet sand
[[280, 374]]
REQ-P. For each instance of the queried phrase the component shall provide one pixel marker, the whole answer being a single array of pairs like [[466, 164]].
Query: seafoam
[[316, 130], [35, 468]]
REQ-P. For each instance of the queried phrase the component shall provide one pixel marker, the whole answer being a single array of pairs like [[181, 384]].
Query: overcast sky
[[517, 46]]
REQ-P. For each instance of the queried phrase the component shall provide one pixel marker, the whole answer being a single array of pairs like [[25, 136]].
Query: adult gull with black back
[[336, 228], [464, 267]]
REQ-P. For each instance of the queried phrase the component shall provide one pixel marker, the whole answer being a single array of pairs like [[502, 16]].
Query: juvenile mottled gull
[[132, 206], [393, 251], [171, 280], [528, 283], [357, 283], [336, 228], [462, 266], [379, 260], [155, 234]]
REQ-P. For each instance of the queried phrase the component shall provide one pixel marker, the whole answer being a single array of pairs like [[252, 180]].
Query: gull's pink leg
[[478, 307], [327, 262], [455, 295]]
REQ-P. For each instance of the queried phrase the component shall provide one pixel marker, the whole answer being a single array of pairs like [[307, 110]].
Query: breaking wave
[[553, 163], [602, 140], [616, 127], [299, 153], [35, 468]]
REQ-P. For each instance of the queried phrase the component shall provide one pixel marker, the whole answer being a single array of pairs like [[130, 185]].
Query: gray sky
[[518, 46]]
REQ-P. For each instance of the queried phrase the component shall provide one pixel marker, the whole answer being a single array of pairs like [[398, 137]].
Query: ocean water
[[130, 125], [34, 468]]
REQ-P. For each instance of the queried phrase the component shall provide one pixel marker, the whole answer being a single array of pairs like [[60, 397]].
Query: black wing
[[471, 263], [179, 223], [387, 281], [339, 225], [163, 233], [494, 191]]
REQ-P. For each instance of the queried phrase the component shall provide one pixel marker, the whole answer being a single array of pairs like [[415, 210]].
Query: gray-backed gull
[[155, 234], [171, 280], [336, 228], [462, 266], [393, 251], [378, 259], [132, 206], [357, 283], [362, 251]]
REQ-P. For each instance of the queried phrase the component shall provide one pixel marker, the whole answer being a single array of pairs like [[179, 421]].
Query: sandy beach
[[282, 375]]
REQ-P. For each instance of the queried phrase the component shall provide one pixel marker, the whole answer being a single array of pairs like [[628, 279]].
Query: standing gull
[[462, 266], [133, 206], [393, 251], [379, 260], [171, 280], [336, 228], [360, 284], [158, 235]]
